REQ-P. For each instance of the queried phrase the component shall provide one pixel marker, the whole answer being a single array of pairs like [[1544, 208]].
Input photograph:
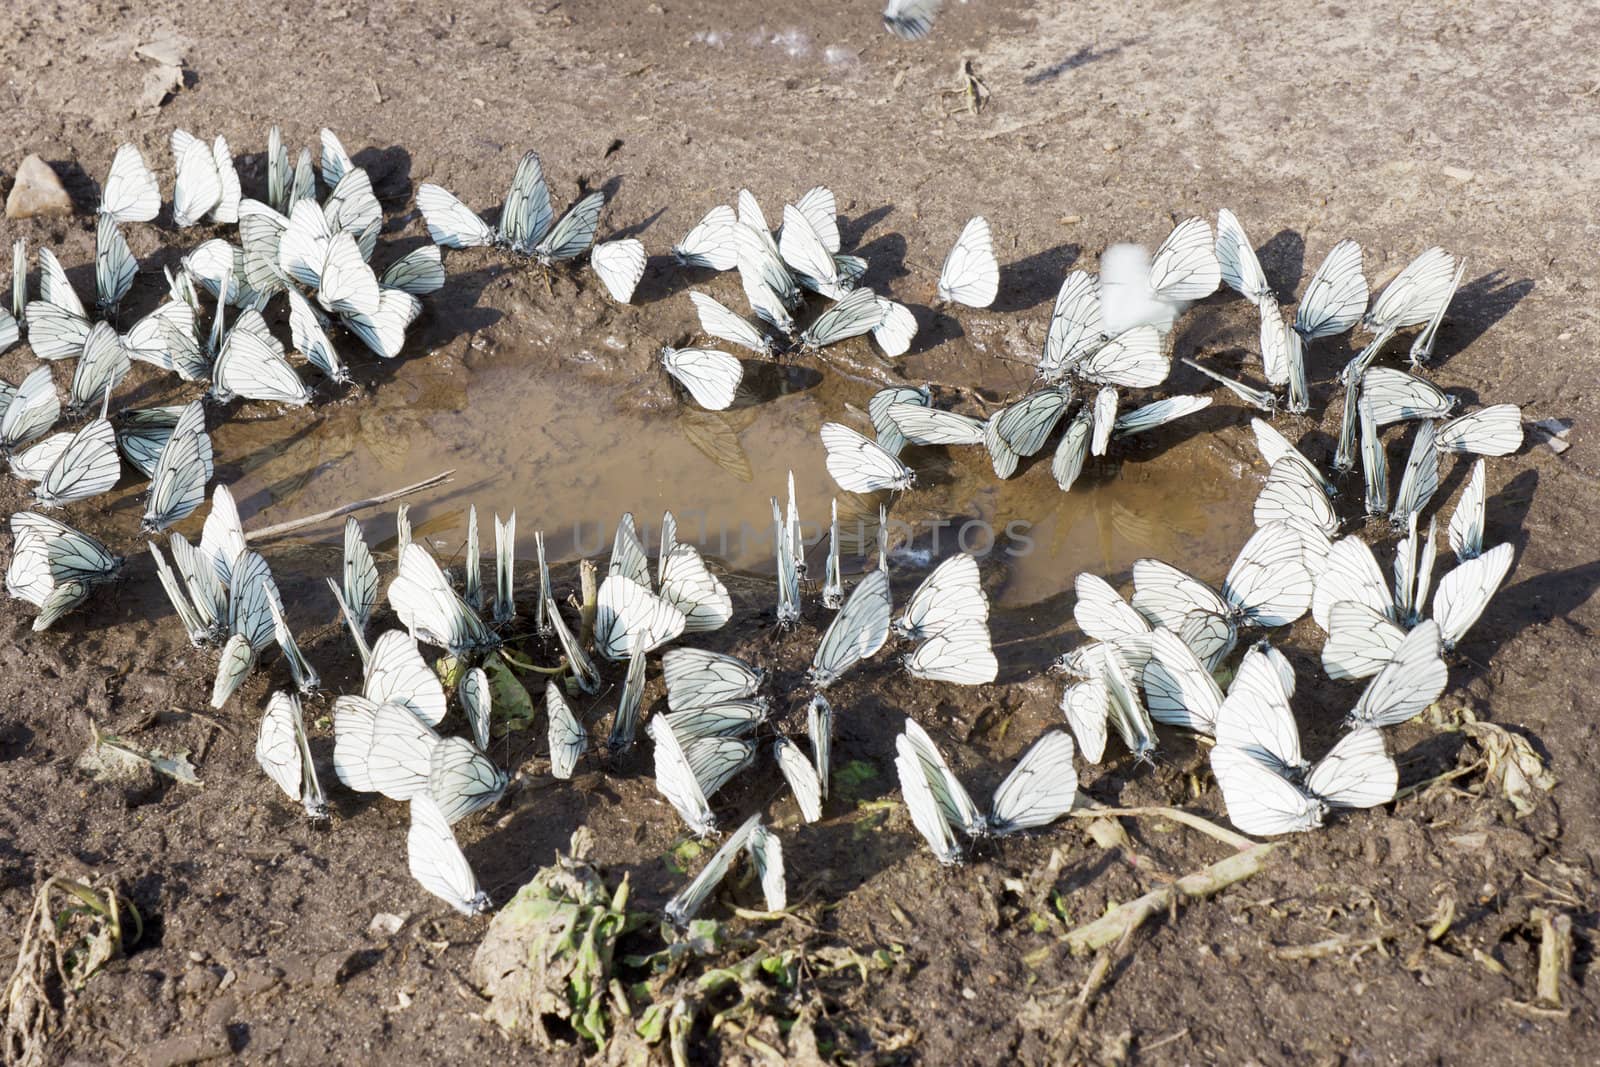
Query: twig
[[1080, 1006], [1122, 920], [292, 525], [1189, 819]]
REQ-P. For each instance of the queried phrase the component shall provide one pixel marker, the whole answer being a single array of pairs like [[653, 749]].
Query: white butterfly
[[86, 465], [949, 613], [1421, 478], [1490, 431], [360, 575], [401, 754], [1467, 521], [620, 265], [100, 369], [384, 333], [626, 722], [250, 624], [1268, 585], [1466, 591], [971, 275], [477, 703], [1075, 327], [523, 220], [437, 863], [397, 674], [1261, 399], [860, 465], [1158, 413], [719, 322], [55, 567], [711, 243], [427, 605], [114, 265], [328, 261], [583, 668], [572, 236], [461, 780], [833, 578], [690, 587], [284, 753], [1073, 449], [1293, 497], [251, 365], [809, 778], [630, 617], [890, 439], [1417, 295], [1021, 429], [896, 330], [1261, 800], [1135, 358], [1413, 678], [29, 411], [505, 549], [711, 377], [1395, 396], [130, 193], [1183, 269], [421, 271], [207, 183], [1336, 296], [1273, 446], [568, 738], [1040, 789], [910, 20], [1236, 258], [920, 424], [859, 312], [856, 632], [696, 678], [166, 338], [689, 774], [803, 250], [182, 470], [766, 856]]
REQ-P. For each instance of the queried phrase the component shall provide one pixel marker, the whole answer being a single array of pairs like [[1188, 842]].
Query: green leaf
[[850, 777], [451, 670], [513, 707]]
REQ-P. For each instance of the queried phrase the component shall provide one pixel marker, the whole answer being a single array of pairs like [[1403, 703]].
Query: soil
[[1472, 126]]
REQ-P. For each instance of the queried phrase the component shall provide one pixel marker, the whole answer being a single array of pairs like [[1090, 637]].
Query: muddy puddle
[[571, 450]]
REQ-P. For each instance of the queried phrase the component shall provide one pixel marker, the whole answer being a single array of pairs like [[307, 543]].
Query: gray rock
[[37, 192]]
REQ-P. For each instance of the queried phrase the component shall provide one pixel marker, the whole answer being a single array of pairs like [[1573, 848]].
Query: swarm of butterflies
[[1156, 659]]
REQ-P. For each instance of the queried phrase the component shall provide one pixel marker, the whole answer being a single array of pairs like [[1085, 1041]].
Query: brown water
[[570, 450]]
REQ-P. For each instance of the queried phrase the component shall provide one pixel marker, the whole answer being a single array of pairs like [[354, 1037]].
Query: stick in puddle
[[292, 525]]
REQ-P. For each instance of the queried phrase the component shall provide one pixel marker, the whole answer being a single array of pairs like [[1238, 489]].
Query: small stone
[[164, 51], [331, 969], [1459, 174], [199, 982], [228, 978], [160, 83], [37, 192], [1554, 432], [187, 1048], [387, 924]]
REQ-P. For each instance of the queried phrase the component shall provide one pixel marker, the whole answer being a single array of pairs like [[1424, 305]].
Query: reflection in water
[[570, 455]]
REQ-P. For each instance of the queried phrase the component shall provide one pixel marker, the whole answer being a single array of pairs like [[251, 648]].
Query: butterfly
[[524, 219], [1041, 788], [971, 274], [808, 778], [427, 605], [437, 863], [1418, 295], [858, 313], [1264, 798], [207, 184], [130, 193], [1490, 431], [766, 856], [568, 738], [505, 545], [620, 265], [712, 378], [910, 20], [711, 243], [182, 469], [858, 631], [54, 567], [283, 751], [689, 774], [949, 613], [860, 465]]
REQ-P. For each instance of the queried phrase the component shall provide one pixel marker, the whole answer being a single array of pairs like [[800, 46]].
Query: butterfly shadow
[[637, 228], [1283, 257], [389, 170], [664, 278], [886, 260], [1026, 283], [853, 229], [1481, 303], [1081, 58]]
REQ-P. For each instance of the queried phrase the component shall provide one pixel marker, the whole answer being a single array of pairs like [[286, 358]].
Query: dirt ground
[[1469, 125]]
